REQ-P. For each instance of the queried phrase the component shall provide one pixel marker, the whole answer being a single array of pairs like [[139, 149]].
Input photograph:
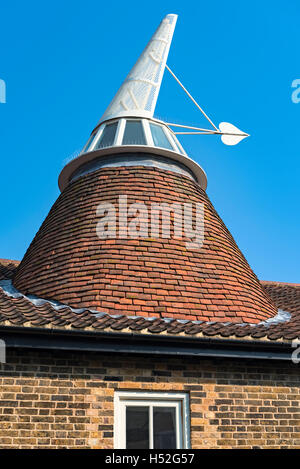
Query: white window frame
[[152, 399], [120, 132], [97, 137], [165, 132], [176, 142], [89, 143], [147, 132], [135, 119], [100, 132], [171, 140]]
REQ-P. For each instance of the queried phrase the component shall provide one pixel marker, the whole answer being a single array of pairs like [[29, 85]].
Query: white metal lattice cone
[[139, 92]]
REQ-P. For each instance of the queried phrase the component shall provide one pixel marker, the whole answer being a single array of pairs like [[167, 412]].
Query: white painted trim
[[120, 132], [90, 139], [151, 439], [97, 137], [171, 140], [152, 399], [146, 126], [74, 164], [180, 147], [147, 132]]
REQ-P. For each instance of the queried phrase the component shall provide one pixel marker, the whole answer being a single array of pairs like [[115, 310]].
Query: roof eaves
[[137, 343]]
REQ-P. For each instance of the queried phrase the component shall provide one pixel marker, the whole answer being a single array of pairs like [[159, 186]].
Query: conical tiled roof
[[151, 277], [130, 154]]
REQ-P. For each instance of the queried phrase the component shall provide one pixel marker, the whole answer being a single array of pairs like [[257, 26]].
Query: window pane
[[164, 427], [134, 133], [159, 137], [108, 135], [137, 427], [177, 147]]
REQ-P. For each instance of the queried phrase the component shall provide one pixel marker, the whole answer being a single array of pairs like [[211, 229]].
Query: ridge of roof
[[8, 268], [9, 261], [275, 282]]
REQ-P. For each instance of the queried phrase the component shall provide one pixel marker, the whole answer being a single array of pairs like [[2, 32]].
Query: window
[[151, 420], [159, 137], [88, 144], [108, 136], [176, 144], [134, 133]]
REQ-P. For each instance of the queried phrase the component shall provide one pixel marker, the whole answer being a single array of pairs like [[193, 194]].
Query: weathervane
[[139, 92], [230, 135], [128, 130]]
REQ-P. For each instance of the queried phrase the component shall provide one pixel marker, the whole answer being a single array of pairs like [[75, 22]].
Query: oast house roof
[[151, 277]]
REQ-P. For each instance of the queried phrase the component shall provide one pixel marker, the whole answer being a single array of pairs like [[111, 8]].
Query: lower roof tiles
[[17, 310]]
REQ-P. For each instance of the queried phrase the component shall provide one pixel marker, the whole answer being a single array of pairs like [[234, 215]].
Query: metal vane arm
[[191, 97], [230, 135]]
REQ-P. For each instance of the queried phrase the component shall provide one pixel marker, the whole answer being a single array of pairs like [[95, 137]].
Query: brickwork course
[[63, 400]]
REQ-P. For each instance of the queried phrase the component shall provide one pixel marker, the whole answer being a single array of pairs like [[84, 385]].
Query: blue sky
[[63, 62]]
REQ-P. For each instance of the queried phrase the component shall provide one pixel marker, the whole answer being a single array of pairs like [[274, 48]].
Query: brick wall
[[64, 400]]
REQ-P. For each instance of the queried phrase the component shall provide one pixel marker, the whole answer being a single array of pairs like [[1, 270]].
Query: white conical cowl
[[139, 92]]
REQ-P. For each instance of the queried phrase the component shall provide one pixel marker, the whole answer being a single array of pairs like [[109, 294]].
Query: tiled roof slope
[[8, 268], [286, 296], [22, 312], [160, 278]]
